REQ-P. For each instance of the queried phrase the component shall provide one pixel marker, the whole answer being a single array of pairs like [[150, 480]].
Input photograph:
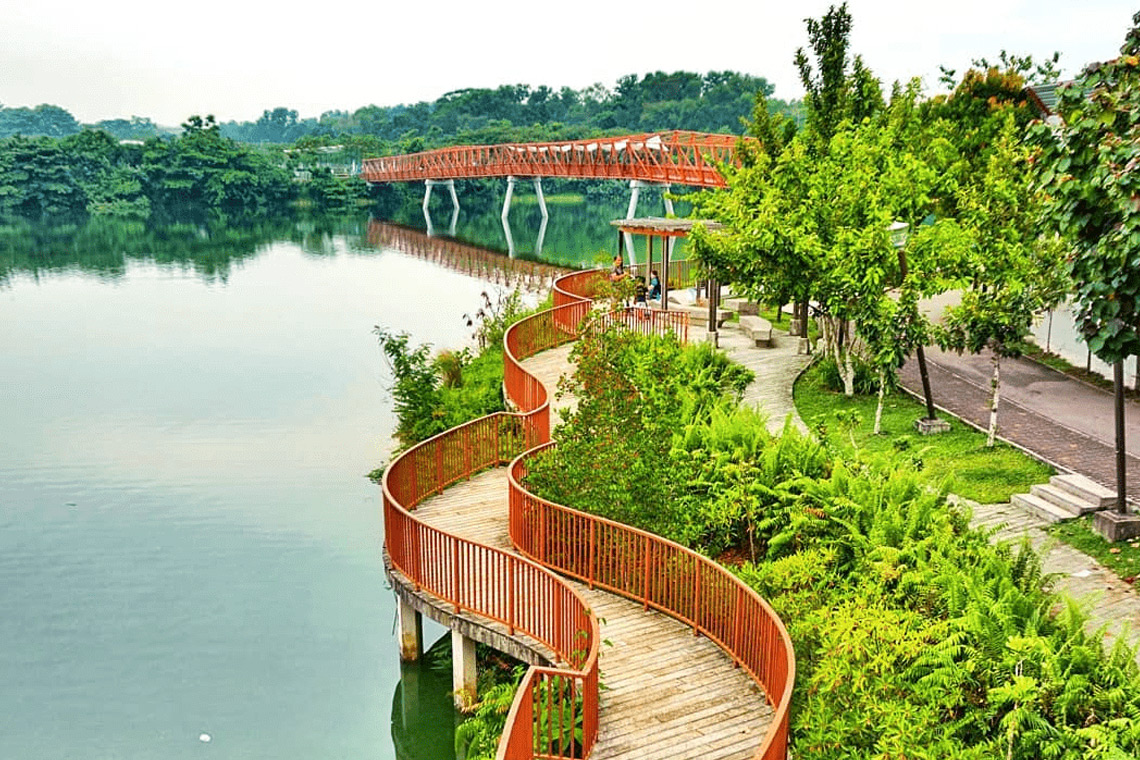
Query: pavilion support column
[[669, 241], [665, 277], [463, 673], [411, 631]]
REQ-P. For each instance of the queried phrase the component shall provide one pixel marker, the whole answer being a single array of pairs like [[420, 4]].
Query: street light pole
[[898, 237], [1121, 461]]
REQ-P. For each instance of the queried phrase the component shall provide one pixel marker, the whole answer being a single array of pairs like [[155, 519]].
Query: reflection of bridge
[[462, 257]]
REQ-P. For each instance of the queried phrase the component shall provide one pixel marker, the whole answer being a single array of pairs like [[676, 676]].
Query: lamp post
[[930, 423]]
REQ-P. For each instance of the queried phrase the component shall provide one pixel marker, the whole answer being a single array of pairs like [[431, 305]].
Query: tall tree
[[1090, 167]]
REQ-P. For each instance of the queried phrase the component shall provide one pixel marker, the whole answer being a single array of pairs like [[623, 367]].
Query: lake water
[[188, 542]]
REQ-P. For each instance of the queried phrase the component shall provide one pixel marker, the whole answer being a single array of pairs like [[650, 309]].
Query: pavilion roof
[[662, 227]]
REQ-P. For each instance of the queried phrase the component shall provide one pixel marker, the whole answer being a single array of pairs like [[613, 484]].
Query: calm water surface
[[188, 544]]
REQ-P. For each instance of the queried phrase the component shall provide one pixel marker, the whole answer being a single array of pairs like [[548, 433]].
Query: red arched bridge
[[684, 158]]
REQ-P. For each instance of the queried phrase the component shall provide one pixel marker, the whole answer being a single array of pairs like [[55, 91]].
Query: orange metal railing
[[686, 158], [555, 713]]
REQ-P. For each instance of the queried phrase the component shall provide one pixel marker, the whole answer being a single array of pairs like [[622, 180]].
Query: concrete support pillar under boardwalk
[[463, 672], [411, 631]]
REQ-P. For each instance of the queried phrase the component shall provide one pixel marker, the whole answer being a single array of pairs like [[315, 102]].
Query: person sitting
[[654, 285], [639, 293]]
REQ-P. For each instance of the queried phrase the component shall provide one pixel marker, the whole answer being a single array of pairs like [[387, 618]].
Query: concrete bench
[[699, 315], [757, 329], [741, 306]]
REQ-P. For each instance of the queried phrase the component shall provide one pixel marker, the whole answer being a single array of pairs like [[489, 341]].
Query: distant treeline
[[190, 176], [52, 166], [713, 102]]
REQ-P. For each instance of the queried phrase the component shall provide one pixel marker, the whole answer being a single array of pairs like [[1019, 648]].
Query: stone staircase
[[1065, 497]]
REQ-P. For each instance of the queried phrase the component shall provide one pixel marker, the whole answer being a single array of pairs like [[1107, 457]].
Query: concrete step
[[1035, 505], [1066, 500], [1082, 487]]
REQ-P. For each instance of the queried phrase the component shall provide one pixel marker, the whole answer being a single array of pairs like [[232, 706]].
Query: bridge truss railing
[[686, 158]]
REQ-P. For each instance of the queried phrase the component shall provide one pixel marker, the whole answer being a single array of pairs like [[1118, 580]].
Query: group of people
[[643, 291]]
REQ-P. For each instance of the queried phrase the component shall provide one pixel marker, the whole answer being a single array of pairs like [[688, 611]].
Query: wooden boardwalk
[[668, 694]]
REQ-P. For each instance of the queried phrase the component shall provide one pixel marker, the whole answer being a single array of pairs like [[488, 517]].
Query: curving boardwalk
[[467, 544], [667, 692]]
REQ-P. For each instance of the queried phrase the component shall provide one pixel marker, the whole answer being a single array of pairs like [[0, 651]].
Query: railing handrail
[[429, 467], [778, 685], [687, 158]]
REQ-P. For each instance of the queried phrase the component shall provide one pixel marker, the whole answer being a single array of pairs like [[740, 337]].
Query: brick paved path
[[1031, 430]]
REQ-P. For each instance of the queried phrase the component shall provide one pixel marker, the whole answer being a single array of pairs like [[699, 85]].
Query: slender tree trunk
[[879, 408], [995, 384], [848, 374]]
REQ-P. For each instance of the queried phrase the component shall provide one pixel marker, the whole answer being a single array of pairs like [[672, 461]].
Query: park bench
[[758, 329]]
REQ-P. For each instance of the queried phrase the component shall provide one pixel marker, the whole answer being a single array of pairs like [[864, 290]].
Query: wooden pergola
[[658, 227]]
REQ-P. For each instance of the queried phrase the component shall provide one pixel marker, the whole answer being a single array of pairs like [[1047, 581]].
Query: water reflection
[[423, 717], [104, 247], [575, 233], [463, 257]]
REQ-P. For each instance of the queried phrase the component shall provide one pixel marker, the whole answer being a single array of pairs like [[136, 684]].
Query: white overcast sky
[[235, 58]]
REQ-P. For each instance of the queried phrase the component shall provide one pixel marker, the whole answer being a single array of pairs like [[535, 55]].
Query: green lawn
[[1122, 558], [959, 458]]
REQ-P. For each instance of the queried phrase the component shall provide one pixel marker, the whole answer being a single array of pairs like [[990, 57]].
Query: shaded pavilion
[[667, 230]]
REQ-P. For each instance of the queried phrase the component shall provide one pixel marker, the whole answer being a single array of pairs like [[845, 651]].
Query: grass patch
[[1121, 558], [958, 459]]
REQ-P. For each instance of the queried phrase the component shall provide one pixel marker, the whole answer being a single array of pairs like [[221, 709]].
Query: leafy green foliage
[[432, 394], [1088, 166], [914, 635], [634, 392], [190, 176]]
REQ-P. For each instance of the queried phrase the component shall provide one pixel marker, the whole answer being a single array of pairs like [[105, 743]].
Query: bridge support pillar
[[463, 674], [635, 186], [411, 631], [450, 185], [541, 197]]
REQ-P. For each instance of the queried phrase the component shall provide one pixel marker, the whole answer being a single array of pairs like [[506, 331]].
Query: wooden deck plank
[[668, 693]]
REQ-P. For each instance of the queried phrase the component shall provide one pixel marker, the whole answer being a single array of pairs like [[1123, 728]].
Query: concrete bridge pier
[[450, 185], [464, 674], [411, 626], [504, 217], [463, 671], [635, 186]]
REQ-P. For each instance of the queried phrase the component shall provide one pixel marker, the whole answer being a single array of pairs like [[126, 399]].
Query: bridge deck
[[667, 693]]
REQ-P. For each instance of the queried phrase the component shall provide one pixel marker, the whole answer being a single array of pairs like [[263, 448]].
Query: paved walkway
[[1062, 420], [667, 693], [776, 370], [1108, 601], [1066, 422]]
